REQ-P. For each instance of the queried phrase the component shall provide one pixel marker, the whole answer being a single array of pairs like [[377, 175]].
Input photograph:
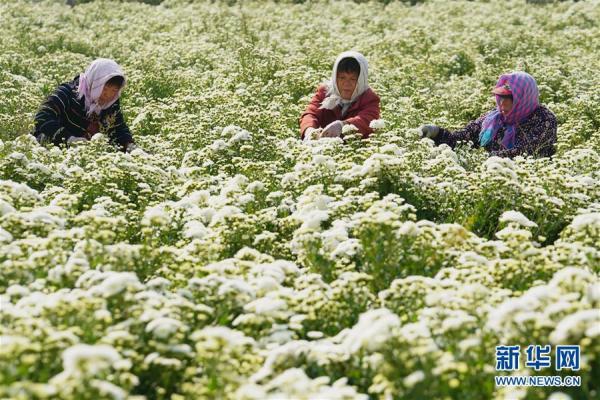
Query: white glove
[[334, 129], [75, 139], [130, 147]]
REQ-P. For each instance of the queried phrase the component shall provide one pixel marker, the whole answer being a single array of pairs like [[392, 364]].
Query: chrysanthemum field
[[225, 259]]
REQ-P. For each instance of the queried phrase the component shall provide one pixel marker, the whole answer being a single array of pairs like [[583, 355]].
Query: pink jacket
[[360, 114]]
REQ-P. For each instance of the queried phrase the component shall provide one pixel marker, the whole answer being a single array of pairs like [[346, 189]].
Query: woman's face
[[108, 93], [506, 104], [346, 83]]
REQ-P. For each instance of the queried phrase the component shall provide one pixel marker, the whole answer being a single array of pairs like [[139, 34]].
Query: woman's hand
[[334, 129], [430, 131], [130, 147]]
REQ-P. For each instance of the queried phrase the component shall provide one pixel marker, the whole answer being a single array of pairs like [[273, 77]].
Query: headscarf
[[92, 81], [525, 95], [334, 98]]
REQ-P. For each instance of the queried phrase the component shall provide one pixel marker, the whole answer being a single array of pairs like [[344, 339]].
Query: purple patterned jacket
[[535, 136]]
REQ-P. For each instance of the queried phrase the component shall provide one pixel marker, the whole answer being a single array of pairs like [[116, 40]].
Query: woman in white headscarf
[[89, 104], [346, 99]]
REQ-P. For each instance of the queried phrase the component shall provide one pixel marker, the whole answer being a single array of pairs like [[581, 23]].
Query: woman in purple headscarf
[[519, 125]]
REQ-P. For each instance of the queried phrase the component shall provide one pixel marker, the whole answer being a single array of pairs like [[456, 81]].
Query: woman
[[89, 104], [346, 99], [519, 125]]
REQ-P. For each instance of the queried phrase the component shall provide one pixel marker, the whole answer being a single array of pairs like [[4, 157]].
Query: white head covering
[[334, 98], [92, 81]]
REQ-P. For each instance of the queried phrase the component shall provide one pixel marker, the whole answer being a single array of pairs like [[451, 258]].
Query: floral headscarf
[[525, 95]]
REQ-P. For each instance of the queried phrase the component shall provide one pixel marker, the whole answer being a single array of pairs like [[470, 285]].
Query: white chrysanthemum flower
[[236, 134], [414, 378], [224, 213], [242, 135], [375, 163], [377, 124], [518, 218], [593, 293], [348, 128], [218, 145], [347, 248], [502, 166], [16, 156], [265, 306], [82, 358], [158, 283], [256, 186], [44, 216], [313, 218], [98, 137], [5, 208], [245, 199], [20, 190], [391, 148], [76, 262], [164, 327], [275, 195], [40, 168], [207, 214], [332, 237], [115, 282], [17, 290], [315, 334], [102, 315], [230, 337], [374, 328], [559, 396], [109, 390], [198, 197], [74, 171], [582, 221], [319, 159], [195, 230], [409, 228], [512, 232], [156, 216], [5, 237], [13, 342], [575, 326]]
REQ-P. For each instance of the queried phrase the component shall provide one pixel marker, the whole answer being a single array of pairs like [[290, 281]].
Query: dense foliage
[[227, 259]]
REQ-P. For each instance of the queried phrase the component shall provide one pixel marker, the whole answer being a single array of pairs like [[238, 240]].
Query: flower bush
[[226, 259]]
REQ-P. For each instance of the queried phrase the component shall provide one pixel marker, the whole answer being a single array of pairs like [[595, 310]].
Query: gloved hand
[[42, 138], [130, 147], [311, 133], [334, 129], [76, 139], [430, 131]]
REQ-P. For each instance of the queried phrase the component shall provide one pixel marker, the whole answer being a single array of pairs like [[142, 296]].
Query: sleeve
[[121, 134], [540, 139], [468, 133], [49, 120], [312, 114], [368, 113]]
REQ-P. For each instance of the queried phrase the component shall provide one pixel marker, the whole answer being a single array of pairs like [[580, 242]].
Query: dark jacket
[[360, 113], [535, 136], [63, 115]]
